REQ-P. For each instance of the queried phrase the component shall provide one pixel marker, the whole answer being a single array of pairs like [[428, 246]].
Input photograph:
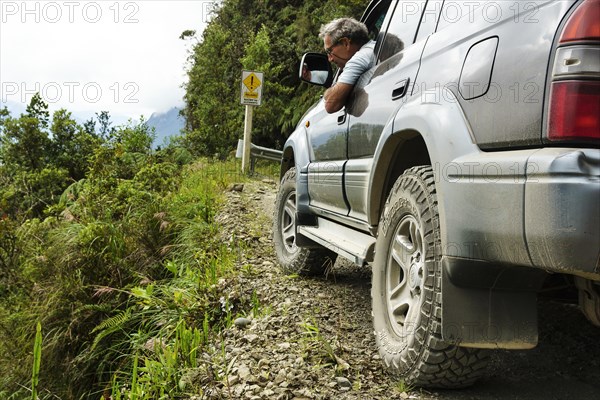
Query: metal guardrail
[[258, 152]]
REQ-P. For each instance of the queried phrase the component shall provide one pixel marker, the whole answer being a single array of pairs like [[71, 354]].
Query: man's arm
[[336, 96]]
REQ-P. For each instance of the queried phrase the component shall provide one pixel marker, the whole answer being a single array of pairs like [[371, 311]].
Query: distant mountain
[[166, 124]]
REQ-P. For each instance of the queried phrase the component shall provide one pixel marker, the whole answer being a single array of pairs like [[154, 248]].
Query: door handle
[[400, 89], [341, 118]]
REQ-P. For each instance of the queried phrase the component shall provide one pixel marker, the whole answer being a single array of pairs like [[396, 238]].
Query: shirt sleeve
[[361, 61]]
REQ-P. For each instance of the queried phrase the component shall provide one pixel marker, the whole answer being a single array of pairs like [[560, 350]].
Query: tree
[[24, 142], [38, 109], [136, 138], [4, 114], [106, 131], [90, 126], [72, 144], [267, 35]]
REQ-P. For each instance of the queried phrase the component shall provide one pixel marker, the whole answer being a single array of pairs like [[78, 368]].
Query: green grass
[[316, 345], [403, 387], [37, 359], [129, 283]]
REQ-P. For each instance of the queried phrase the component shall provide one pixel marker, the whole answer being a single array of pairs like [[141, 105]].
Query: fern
[[110, 326], [71, 193]]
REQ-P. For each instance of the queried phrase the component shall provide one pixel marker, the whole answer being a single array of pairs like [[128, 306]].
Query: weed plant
[[125, 275]]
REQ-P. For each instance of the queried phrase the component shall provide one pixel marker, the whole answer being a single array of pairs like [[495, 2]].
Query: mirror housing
[[316, 69]]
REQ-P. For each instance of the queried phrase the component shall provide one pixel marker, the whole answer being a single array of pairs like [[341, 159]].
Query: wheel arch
[[287, 161], [402, 150], [429, 129], [296, 153]]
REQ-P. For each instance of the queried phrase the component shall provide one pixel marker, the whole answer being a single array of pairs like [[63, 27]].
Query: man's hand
[[336, 96]]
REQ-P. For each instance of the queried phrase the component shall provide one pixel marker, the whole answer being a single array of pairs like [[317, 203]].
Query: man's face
[[340, 52]]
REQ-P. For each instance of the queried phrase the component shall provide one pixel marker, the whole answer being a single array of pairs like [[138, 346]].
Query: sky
[[124, 57]]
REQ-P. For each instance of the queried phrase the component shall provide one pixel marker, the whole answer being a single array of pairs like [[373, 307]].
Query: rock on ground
[[311, 338]]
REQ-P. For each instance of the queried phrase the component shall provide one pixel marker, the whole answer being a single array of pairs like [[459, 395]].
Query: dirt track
[[565, 364]]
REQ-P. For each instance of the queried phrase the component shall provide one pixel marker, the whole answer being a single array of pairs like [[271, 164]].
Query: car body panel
[[503, 198]]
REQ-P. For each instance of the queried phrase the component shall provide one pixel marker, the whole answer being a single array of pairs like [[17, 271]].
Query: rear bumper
[[562, 210]]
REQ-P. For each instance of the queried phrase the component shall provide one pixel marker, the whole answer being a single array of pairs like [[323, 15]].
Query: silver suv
[[465, 170]]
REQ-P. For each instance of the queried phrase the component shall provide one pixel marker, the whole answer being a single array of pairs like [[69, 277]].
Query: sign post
[[247, 139], [251, 97]]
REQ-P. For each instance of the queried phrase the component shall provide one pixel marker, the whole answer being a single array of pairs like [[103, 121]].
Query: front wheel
[[406, 290], [294, 259]]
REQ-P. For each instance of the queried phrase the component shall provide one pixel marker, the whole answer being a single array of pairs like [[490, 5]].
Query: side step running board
[[356, 246]]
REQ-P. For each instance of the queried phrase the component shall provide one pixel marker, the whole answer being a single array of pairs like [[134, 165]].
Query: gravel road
[[312, 338]]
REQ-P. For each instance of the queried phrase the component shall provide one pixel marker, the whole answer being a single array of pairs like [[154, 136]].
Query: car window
[[430, 19], [374, 21], [403, 28]]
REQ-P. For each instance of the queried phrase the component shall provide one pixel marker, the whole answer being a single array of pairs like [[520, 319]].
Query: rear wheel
[[294, 259], [406, 290]]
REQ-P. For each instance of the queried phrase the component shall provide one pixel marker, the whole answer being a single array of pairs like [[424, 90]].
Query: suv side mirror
[[316, 69]]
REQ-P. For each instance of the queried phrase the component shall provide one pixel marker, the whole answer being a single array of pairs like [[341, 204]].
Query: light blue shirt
[[361, 61]]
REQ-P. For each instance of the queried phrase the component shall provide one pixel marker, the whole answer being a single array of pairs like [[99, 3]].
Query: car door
[[328, 141], [382, 91]]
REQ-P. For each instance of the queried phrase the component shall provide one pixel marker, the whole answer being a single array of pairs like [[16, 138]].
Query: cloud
[[121, 56]]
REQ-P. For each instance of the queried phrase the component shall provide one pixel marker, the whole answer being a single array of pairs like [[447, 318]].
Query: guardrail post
[[257, 152]]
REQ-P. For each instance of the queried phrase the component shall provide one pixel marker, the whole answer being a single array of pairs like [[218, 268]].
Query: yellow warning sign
[[252, 82], [252, 87]]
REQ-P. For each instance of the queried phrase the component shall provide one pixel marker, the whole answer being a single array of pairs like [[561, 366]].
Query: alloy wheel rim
[[288, 223], [404, 276]]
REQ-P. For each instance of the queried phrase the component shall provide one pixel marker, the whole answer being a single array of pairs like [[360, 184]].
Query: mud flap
[[489, 306]]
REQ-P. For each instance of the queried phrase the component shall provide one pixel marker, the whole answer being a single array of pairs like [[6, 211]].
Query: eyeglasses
[[329, 50]]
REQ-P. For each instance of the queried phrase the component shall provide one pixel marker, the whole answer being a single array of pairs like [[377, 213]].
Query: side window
[[403, 28], [375, 28], [430, 19], [374, 21]]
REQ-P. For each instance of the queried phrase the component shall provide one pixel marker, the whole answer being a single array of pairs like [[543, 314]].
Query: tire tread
[[304, 261], [432, 362]]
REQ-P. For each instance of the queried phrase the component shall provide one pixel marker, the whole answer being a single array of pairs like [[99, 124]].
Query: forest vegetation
[[110, 261], [261, 35]]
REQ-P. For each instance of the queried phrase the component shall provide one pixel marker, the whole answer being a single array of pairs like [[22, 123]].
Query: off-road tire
[[294, 259], [406, 291]]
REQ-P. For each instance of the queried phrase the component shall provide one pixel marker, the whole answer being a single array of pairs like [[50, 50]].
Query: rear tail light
[[584, 24], [574, 110]]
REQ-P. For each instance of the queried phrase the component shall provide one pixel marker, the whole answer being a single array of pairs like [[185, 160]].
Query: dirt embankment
[[312, 337]]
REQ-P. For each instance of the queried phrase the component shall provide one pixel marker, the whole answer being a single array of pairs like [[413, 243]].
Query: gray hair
[[345, 27]]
